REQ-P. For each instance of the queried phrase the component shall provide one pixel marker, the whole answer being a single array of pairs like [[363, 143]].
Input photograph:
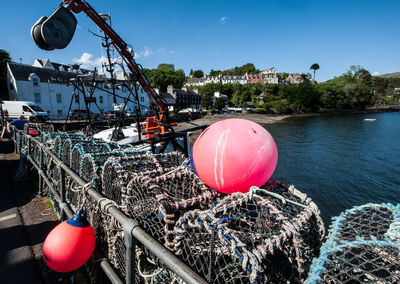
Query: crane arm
[[78, 6]]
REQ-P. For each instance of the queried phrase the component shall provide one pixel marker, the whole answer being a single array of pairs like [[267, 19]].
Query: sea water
[[340, 161]]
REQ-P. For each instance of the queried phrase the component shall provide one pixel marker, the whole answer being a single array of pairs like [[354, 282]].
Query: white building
[[50, 85], [190, 82], [270, 76], [224, 79]]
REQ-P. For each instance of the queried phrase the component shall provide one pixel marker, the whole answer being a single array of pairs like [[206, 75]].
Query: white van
[[31, 111]]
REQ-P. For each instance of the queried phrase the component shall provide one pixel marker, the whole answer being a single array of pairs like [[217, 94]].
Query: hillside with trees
[[353, 90], [237, 71]]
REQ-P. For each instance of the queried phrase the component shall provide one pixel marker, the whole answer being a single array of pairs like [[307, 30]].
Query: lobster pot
[[149, 271], [32, 145], [117, 251], [170, 160], [358, 262], [81, 149], [102, 223], [146, 270], [370, 221], [51, 169], [71, 142], [362, 247], [92, 164], [118, 172], [311, 232], [248, 238], [46, 137], [60, 140], [157, 203], [37, 151], [68, 146], [73, 194]]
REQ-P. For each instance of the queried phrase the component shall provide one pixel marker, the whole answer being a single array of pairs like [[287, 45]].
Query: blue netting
[[363, 247]]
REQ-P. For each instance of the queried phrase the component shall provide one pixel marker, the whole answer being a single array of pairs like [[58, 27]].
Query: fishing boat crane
[[57, 31]]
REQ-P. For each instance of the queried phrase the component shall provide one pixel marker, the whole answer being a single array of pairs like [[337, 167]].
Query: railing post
[[62, 189], [130, 245], [41, 157], [29, 145], [186, 145], [20, 141]]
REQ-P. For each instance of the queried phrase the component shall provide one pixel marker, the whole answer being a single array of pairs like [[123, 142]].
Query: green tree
[[197, 73], [282, 75], [166, 65], [219, 103], [314, 67], [164, 76], [358, 94], [215, 72], [354, 89], [303, 97], [364, 76], [4, 58], [206, 101]]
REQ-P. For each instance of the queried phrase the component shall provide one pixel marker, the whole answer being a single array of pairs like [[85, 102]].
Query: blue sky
[[289, 35]]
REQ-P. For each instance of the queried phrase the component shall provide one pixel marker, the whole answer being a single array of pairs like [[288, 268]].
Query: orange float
[[70, 244]]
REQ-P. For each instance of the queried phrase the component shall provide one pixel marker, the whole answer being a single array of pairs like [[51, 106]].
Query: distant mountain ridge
[[390, 75]]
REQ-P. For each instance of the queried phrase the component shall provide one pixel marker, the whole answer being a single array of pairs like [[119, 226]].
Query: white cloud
[[85, 59], [223, 20], [144, 53], [376, 73], [88, 62]]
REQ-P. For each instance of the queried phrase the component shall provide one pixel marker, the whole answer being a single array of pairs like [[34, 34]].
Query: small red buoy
[[70, 244], [234, 154]]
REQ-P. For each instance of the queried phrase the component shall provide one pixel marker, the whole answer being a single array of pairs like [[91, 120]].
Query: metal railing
[[133, 233]]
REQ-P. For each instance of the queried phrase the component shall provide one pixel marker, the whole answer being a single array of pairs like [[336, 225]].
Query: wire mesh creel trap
[[158, 202], [264, 236], [362, 247], [154, 190], [118, 171]]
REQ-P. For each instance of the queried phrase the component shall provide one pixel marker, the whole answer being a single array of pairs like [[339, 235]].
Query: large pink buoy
[[70, 244], [234, 154]]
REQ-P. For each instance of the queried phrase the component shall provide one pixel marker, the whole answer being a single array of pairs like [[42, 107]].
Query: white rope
[[148, 275]]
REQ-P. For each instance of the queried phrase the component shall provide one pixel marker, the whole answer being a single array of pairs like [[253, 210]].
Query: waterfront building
[[270, 76], [181, 98], [213, 79], [254, 78], [190, 82], [51, 86], [295, 78], [223, 79]]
